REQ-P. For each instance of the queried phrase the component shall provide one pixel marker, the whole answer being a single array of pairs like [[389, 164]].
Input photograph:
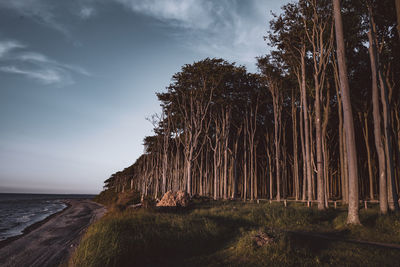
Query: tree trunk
[[325, 150], [303, 151], [383, 197], [318, 140], [277, 150], [244, 165], [364, 118], [392, 192], [306, 123], [398, 17], [295, 150], [352, 217]]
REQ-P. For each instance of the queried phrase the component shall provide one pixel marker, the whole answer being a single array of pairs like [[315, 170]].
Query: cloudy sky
[[78, 79]]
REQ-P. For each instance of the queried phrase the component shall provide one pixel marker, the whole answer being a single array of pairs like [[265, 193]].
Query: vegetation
[[222, 233], [287, 131]]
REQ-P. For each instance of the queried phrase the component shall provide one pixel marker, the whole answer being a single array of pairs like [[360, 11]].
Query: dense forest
[[320, 121]]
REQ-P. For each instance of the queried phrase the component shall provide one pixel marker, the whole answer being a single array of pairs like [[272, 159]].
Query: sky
[[79, 78]]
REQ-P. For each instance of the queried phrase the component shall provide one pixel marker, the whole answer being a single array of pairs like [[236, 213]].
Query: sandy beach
[[50, 242]]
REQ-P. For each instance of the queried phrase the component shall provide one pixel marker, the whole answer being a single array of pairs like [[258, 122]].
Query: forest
[[319, 122]]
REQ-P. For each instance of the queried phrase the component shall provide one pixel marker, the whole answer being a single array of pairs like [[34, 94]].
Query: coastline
[[34, 226], [51, 241]]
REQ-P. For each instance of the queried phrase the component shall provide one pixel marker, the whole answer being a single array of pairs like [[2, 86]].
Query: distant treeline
[[289, 130]]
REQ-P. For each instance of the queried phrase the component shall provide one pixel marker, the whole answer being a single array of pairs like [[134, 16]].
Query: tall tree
[[352, 217], [398, 17]]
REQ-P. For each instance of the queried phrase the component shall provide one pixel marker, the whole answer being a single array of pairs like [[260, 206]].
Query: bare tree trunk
[[268, 140], [383, 197], [325, 150], [277, 143], [398, 16], [352, 217], [295, 150], [318, 140], [306, 124], [235, 159], [271, 188], [364, 118], [255, 172], [397, 116], [303, 151], [244, 165], [392, 192], [225, 134], [166, 137], [342, 152], [216, 156]]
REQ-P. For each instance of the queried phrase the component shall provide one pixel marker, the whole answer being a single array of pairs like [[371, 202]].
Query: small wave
[[24, 218], [15, 216]]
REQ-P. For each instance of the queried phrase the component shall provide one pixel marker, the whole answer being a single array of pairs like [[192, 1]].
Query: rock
[[261, 239], [182, 198], [168, 200], [171, 199]]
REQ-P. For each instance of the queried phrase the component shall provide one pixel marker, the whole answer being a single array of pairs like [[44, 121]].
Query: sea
[[19, 211]]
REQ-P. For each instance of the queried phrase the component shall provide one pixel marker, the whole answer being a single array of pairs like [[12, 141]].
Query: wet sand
[[50, 242]]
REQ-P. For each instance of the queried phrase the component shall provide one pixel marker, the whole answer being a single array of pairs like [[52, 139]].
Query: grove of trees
[[320, 121]]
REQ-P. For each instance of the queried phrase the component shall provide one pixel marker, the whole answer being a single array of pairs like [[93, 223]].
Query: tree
[[398, 16], [352, 217], [273, 76]]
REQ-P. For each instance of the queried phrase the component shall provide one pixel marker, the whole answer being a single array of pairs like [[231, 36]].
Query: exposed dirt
[[52, 241]]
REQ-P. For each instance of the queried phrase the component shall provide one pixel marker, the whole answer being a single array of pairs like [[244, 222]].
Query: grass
[[221, 233]]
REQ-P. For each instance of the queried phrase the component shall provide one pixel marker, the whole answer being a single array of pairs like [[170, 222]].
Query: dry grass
[[221, 233]]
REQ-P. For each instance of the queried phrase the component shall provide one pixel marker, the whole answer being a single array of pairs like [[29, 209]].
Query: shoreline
[[34, 226], [51, 241]]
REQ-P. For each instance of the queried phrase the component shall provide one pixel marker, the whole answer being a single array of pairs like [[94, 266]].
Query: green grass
[[221, 233]]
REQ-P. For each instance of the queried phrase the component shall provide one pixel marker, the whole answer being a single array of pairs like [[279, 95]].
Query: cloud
[[41, 11], [46, 76], [7, 46], [232, 29], [189, 13], [86, 12], [35, 65], [37, 58], [50, 13]]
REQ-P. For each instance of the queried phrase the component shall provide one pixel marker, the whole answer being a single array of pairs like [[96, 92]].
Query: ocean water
[[19, 211]]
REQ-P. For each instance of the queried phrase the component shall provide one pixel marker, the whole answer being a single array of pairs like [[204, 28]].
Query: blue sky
[[79, 77]]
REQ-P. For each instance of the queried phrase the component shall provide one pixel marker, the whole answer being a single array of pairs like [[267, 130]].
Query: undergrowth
[[222, 233]]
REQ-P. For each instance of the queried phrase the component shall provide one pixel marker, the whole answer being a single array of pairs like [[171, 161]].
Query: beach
[[50, 242]]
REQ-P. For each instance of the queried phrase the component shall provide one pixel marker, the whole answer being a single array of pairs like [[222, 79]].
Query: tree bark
[[295, 150], [398, 16], [303, 152], [364, 118], [383, 197], [352, 217], [392, 193], [306, 123], [318, 140], [325, 150]]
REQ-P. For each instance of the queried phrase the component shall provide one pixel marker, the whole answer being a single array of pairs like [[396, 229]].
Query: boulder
[[168, 200], [177, 199]]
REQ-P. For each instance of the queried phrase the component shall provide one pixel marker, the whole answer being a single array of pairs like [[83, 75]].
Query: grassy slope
[[222, 234]]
